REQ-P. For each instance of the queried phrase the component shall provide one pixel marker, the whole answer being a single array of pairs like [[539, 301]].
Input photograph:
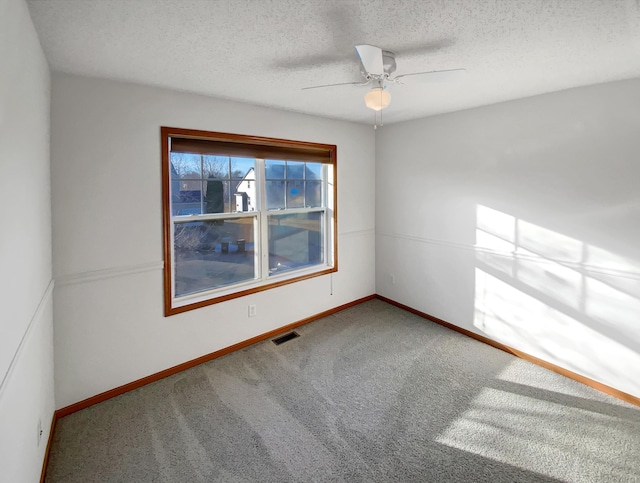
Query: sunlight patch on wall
[[519, 320], [572, 276], [619, 272], [558, 298]]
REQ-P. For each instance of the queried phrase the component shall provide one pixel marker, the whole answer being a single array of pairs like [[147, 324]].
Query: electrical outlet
[[252, 310], [39, 431]]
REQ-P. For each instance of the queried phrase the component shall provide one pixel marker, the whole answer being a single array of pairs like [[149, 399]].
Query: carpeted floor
[[372, 393]]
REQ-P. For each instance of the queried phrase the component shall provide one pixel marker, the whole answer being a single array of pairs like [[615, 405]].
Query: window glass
[[295, 170], [313, 194], [275, 195], [313, 171], [274, 169], [214, 195], [209, 254], [295, 241], [206, 184], [186, 166], [295, 194], [243, 168], [215, 166], [187, 201]]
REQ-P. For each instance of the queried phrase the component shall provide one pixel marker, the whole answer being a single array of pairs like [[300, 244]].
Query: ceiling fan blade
[[451, 75], [335, 85], [371, 58]]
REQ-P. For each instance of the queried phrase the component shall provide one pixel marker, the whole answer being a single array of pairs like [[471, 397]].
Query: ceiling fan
[[377, 66]]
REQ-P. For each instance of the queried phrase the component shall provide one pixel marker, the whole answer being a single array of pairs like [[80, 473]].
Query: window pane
[[228, 205], [245, 195], [295, 194], [242, 168], [214, 196], [186, 166], [295, 241], [274, 169], [295, 170], [275, 195], [243, 186], [215, 166], [313, 171], [313, 194], [187, 200], [211, 254]]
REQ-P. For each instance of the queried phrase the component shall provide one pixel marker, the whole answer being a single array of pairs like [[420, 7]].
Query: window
[[243, 214]]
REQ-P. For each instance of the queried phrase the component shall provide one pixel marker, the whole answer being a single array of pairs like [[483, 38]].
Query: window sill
[[210, 297]]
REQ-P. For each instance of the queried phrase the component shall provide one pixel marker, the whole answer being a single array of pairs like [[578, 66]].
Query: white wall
[[107, 236], [26, 340], [521, 222]]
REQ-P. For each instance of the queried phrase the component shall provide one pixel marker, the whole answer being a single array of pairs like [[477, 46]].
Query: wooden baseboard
[[45, 462], [65, 411], [522, 355]]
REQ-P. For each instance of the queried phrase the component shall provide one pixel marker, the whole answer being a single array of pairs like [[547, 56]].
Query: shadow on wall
[[558, 298]]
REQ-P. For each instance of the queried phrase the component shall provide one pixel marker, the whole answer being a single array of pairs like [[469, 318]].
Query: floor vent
[[284, 338]]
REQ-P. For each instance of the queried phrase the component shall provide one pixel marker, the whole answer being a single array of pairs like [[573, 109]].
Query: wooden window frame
[[260, 148]]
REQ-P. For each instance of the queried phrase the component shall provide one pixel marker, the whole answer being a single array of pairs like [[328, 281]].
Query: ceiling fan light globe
[[377, 98]]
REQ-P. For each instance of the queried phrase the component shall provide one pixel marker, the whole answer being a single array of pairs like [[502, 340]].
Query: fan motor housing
[[389, 62]]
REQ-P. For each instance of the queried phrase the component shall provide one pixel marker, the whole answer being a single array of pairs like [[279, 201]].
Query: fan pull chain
[[375, 119], [375, 124]]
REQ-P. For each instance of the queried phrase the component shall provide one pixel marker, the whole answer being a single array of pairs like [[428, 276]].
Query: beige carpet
[[372, 393]]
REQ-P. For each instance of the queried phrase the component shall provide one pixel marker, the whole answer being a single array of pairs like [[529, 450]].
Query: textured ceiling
[[265, 51]]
